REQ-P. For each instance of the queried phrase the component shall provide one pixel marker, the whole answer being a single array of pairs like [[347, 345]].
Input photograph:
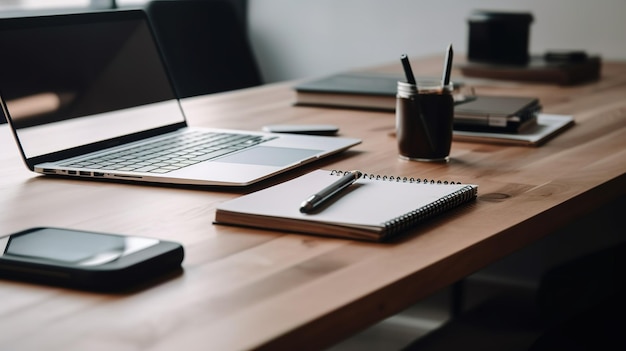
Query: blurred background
[[294, 39], [300, 39]]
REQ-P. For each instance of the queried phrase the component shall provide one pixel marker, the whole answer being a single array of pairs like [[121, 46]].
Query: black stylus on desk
[[316, 200]]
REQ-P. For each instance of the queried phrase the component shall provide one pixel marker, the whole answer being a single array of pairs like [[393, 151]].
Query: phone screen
[[74, 247]]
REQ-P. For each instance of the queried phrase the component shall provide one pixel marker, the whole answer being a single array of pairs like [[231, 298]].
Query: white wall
[[299, 38]]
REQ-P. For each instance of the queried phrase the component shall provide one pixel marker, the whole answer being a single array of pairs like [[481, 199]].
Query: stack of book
[[500, 119], [546, 127], [498, 114], [360, 90]]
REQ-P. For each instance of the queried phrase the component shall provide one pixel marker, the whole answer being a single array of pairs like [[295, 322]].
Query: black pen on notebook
[[315, 200]]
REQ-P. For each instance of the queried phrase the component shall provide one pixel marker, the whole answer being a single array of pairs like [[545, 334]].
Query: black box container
[[499, 37]]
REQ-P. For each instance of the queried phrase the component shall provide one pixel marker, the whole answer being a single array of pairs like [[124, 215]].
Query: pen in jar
[[447, 67], [316, 200], [408, 71]]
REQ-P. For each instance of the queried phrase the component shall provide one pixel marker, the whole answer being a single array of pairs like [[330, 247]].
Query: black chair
[[205, 45], [583, 301], [578, 306]]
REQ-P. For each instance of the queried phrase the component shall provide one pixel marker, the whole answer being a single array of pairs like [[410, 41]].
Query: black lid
[[485, 16]]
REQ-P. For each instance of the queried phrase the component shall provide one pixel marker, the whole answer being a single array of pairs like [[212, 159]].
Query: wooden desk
[[244, 289]]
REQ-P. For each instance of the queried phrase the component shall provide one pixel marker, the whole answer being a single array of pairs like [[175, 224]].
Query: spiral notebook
[[374, 208]]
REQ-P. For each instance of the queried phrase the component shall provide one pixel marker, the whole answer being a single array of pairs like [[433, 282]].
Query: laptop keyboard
[[172, 153]]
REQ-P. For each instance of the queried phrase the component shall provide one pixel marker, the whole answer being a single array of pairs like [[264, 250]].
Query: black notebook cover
[[496, 113], [358, 90]]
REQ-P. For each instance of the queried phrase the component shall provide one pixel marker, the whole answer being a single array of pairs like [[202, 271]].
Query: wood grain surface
[[254, 289]]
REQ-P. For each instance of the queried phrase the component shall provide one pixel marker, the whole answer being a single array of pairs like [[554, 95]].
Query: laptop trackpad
[[269, 156]]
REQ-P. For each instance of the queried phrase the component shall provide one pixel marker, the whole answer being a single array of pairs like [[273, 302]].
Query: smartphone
[[85, 259], [311, 129]]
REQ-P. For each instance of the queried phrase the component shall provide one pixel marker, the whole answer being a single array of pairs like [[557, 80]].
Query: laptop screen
[[64, 77]]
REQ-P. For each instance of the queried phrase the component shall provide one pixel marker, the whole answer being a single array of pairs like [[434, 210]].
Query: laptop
[[88, 95]]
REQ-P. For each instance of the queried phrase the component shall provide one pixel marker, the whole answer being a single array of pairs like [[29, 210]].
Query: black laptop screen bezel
[[78, 19]]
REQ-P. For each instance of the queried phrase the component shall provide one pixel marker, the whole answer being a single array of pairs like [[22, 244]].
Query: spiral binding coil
[[396, 179], [410, 219]]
